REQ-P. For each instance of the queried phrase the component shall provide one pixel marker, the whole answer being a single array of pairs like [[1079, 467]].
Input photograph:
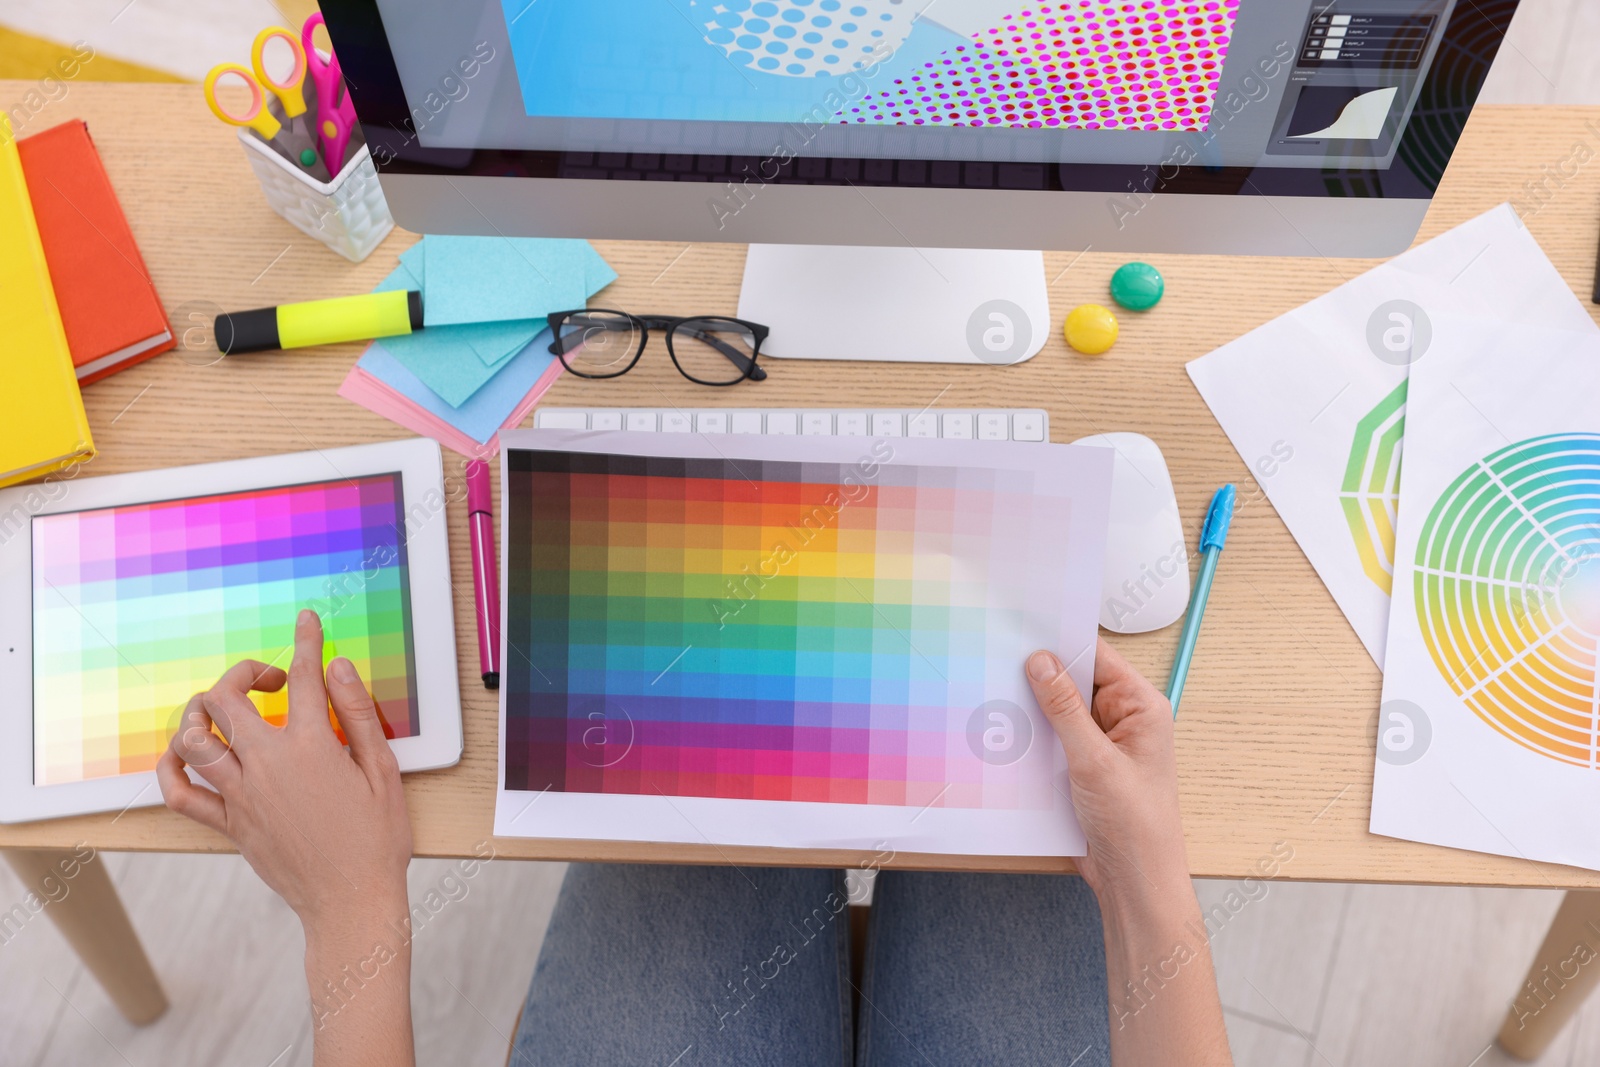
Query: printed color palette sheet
[[735, 625], [136, 608]]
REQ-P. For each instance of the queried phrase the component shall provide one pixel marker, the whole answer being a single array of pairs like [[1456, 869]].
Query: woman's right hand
[[1120, 759], [1123, 770]]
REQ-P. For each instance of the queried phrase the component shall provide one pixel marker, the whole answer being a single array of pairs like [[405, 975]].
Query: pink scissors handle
[[336, 115]]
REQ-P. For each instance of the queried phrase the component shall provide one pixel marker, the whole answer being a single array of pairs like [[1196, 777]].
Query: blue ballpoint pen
[[1213, 532]]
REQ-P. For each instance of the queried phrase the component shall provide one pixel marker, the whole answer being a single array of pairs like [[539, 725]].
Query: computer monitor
[[1282, 127]]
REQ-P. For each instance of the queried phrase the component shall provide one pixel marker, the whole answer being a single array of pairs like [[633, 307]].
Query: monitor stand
[[926, 305]]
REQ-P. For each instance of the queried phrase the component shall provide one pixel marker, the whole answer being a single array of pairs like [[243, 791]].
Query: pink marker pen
[[485, 577]]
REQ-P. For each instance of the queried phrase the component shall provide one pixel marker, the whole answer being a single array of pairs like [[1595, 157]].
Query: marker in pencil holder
[[348, 213]]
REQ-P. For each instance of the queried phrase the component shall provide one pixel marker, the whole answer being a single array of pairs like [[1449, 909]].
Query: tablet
[[121, 597]]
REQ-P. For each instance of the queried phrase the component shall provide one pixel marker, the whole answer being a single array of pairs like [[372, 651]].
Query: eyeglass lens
[[713, 351], [600, 344]]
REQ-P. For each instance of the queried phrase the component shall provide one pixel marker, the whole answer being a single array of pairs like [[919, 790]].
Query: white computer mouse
[[1146, 583]]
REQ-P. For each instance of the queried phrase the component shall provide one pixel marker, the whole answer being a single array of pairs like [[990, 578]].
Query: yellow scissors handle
[[289, 91], [257, 118]]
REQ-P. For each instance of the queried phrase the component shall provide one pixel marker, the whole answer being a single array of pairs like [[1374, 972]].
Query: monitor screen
[[1306, 97], [136, 608]]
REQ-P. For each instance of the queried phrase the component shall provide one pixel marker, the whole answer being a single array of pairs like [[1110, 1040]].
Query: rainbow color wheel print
[[1370, 493], [1508, 592]]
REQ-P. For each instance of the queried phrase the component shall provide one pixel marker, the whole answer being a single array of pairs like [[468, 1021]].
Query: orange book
[[109, 308]]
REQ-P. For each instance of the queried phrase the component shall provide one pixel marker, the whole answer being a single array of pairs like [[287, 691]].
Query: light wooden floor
[[229, 953], [1353, 976]]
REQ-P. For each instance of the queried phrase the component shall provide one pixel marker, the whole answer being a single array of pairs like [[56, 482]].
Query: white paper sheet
[[1031, 568], [1490, 723], [1315, 401]]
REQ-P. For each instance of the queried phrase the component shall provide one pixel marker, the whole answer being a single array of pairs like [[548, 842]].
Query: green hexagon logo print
[[1370, 494]]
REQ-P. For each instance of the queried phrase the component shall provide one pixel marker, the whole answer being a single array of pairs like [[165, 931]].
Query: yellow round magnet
[[1091, 329]]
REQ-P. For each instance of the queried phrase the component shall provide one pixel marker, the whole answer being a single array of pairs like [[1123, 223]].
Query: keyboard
[[957, 424], [954, 424]]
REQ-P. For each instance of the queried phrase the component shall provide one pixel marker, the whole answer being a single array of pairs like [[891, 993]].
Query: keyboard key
[[816, 423], [1027, 426], [852, 423], [606, 420], [747, 422], [675, 422], [711, 422], [887, 424], [563, 420], [783, 423], [641, 420], [957, 426], [923, 424], [992, 426]]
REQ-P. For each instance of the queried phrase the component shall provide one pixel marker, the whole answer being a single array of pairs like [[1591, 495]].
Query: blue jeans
[[695, 966]]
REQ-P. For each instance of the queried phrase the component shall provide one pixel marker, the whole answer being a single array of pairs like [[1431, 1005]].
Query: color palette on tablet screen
[[760, 630], [136, 608], [1507, 586]]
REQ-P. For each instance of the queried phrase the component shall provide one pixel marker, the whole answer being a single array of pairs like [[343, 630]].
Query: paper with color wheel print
[[1489, 731], [1315, 401], [802, 642]]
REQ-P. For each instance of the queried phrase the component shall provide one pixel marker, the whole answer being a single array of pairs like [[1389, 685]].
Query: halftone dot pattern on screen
[[805, 38], [1088, 64], [1507, 586]]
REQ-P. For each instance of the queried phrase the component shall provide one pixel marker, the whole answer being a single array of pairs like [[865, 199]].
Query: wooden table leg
[[80, 898], [1564, 972]]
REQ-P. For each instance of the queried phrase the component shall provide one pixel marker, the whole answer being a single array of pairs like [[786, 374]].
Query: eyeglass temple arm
[[558, 340]]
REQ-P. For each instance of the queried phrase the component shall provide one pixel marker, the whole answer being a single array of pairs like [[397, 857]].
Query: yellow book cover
[[42, 424]]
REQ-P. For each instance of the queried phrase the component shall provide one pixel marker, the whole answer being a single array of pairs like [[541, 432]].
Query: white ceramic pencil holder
[[348, 213]]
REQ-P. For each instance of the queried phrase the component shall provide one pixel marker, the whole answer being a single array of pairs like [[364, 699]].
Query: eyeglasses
[[707, 349]]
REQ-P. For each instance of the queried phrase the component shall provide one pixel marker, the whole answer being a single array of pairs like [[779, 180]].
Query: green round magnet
[[1137, 286]]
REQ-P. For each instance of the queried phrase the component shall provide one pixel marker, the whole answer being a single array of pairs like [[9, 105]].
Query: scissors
[[290, 139], [335, 121]]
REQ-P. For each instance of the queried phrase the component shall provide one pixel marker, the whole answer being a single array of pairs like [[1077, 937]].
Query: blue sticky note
[[597, 273], [405, 276], [414, 259], [481, 416], [455, 361], [492, 342], [494, 279]]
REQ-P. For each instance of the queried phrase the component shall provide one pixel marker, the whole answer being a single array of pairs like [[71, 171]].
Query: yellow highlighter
[[320, 322]]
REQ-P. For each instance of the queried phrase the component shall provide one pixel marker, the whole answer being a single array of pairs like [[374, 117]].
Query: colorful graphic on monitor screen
[[1081, 64], [136, 608]]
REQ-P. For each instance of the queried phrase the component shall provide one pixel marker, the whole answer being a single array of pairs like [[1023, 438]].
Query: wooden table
[[1276, 741]]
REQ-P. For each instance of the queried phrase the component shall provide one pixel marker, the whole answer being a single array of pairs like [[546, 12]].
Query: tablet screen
[[138, 607]]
